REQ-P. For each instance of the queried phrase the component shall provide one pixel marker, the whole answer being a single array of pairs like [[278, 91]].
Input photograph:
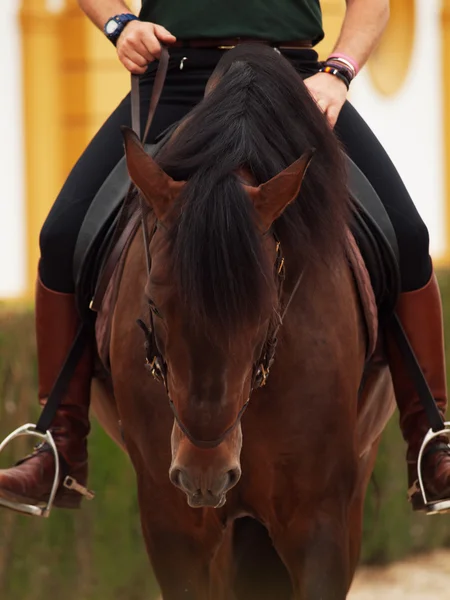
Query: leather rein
[[154, 361]]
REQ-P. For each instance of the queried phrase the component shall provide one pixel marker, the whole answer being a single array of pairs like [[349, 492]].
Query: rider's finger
[[132, 67], [163, 35], [143, 51], [135, 57], [152, 45]]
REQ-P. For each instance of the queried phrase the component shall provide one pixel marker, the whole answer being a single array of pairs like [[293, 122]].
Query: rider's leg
[[419, 307], [56, 315]]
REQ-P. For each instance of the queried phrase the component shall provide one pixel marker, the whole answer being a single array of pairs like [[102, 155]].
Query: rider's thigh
[[366, 151], [60, 230]]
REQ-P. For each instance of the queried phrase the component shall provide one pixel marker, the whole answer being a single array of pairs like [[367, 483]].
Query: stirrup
[[437, 506], [31, 509]]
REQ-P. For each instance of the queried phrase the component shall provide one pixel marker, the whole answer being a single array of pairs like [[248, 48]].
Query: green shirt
[[275, 20]]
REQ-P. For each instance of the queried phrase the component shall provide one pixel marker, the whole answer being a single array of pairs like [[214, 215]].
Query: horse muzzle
[[204, 488]]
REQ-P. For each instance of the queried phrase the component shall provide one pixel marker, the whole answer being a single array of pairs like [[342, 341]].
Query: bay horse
[[246, 491]]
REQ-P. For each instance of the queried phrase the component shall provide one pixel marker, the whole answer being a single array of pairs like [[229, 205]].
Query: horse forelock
[[258, 116]]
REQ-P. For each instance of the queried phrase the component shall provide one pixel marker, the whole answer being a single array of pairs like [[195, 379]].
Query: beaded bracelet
[[337, 73]]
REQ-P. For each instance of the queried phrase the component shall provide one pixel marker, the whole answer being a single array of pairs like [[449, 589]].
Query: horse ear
[[271, 198], [159, 189]]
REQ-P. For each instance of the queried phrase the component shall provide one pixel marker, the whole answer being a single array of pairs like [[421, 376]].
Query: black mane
[[258, 115]]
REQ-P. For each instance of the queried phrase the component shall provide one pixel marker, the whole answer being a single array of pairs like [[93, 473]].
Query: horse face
[[210, 369], [209, 382]]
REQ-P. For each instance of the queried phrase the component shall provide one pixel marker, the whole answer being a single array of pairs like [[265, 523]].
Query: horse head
[[214, 294]]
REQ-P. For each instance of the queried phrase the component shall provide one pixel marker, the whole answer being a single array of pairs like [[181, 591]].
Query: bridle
[[157, 366], [154, 359]]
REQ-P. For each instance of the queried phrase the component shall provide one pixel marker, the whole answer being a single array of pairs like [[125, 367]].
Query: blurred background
[[61, 79]]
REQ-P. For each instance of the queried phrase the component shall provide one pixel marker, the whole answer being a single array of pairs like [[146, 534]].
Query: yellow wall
[[42, 106], [72, 80], [333, 14]]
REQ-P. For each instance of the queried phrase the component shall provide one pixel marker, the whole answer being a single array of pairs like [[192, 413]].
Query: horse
[[254, 442]]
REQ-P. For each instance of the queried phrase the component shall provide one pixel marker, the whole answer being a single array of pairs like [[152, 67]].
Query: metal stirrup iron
[[32, 509], [432, 507]]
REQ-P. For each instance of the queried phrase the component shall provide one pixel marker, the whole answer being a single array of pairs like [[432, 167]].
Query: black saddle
[[370, 226], [99, 228], [375, 236]]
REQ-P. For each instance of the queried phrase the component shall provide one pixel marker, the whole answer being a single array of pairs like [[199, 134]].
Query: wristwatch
[[114, 27]]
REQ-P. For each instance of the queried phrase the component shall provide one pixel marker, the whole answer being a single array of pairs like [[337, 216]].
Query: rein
[[154, 361]]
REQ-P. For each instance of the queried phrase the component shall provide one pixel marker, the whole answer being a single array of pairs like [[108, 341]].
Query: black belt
[[228, 43]]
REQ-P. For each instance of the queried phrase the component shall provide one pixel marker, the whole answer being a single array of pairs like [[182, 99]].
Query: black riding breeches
[[183, 89]]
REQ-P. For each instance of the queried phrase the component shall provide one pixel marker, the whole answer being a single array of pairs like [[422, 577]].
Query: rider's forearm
[[364, 23], [99, 11]]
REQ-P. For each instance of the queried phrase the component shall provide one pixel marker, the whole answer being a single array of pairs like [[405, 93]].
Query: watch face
[[111, 26]]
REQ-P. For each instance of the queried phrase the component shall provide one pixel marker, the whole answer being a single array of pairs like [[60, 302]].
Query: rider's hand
[[139, 44], [329, 92]]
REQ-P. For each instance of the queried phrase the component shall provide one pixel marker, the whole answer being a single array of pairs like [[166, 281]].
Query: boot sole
[[63, 499], [418, 504]]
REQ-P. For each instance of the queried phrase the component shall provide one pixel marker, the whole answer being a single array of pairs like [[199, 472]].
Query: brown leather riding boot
[[30, 481], [420, 313]]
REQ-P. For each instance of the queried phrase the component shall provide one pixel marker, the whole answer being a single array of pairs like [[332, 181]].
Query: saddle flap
[[376, 239], [97, 236]]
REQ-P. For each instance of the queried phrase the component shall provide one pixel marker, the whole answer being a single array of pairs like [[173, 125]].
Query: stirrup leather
[[436, 506], [31, 509]]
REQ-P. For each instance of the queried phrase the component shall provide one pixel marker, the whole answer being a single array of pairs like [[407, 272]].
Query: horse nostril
[[175, 477], [233, 477]]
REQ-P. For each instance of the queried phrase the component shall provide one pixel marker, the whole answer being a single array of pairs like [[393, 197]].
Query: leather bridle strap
[[156, 364], [158, 87], [207, 444], [288, 304]]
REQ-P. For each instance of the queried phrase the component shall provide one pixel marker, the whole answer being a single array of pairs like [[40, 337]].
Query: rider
[[202, 36]]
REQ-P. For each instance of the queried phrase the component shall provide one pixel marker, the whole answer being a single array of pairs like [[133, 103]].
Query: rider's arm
[[364, 22], [99, 11], [361, 30], [139, 42]]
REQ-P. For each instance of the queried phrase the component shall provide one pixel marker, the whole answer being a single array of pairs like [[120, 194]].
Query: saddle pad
[[373, 231], [366, 293], [105, 312]]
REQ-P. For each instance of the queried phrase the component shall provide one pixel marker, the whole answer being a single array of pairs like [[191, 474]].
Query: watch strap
[[121, 20]]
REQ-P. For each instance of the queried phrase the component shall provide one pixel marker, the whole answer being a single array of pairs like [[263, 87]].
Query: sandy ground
[[424, 577]]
